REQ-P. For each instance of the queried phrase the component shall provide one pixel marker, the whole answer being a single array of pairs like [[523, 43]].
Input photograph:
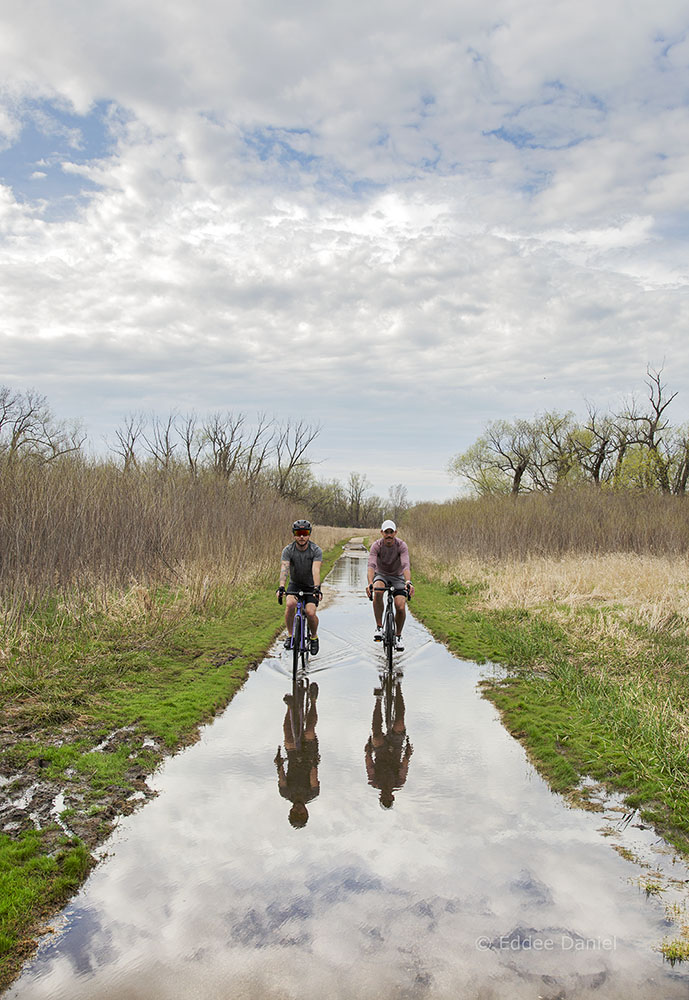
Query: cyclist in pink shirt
[[388, 562]]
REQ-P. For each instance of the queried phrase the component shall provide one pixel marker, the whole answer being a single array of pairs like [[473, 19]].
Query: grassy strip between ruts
[[592, 690], [88, 713]]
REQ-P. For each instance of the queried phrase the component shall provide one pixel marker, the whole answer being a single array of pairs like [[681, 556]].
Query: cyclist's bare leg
[[290, 611], [287, 734], [399, 725], [378, 591], [310, 721], [312, 618], [377, 725], [400, 612]]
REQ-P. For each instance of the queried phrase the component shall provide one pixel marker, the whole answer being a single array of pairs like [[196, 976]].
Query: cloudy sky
[[400, 220]]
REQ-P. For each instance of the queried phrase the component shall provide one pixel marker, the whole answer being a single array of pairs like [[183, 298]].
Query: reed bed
[[80, 533], [576, 547], [654, 586], [584, 521]]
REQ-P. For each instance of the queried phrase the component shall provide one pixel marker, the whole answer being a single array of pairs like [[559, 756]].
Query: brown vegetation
[[71, 528], [585, 520]]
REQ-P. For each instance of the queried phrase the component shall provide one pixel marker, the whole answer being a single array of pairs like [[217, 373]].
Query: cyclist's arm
[[406, 567], [316, 571], [372, 563], [284, 571]]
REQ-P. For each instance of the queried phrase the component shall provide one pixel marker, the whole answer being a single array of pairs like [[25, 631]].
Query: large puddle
[[476, 882]]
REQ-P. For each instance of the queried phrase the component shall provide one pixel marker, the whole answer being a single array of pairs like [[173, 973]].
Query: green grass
[[37, 875], [607, 703], [76, 683]]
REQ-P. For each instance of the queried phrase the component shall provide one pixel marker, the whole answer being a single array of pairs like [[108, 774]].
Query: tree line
[[265, 455], [635, 448]]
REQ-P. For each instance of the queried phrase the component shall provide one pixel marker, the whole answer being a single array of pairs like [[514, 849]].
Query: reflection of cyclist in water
[[387, 754], [299, 781]]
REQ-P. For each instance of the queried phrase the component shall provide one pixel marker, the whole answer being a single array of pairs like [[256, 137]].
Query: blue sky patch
[[51, 136], [279, 144]]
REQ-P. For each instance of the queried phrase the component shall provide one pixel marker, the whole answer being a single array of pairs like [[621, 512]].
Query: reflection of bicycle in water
[[388, 749], [298, 769]]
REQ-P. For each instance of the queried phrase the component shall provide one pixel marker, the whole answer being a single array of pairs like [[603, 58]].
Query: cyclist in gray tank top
[[301, 561]]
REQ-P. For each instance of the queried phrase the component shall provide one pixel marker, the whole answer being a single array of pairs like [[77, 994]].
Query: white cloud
[[455, 212]]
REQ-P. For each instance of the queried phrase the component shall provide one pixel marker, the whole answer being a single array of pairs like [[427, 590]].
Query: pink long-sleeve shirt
[[390, 560]]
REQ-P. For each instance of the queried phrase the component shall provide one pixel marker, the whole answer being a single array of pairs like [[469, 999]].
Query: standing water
[[447, 870]]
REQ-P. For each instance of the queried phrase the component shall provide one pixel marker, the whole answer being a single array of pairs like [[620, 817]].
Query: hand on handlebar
[[280, 594], [369, 591], [317, 594]]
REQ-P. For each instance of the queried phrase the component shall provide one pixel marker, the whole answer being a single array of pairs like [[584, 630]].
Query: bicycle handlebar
[[390, 589]]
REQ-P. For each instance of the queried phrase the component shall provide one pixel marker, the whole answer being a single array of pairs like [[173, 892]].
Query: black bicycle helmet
[[301, 525]]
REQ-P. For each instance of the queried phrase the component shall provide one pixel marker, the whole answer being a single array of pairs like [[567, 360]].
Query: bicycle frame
[[389, 623], [300, 637], [389, 627]]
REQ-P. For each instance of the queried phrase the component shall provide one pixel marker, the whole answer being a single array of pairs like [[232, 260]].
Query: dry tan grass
[[658, 586], [326, 536]]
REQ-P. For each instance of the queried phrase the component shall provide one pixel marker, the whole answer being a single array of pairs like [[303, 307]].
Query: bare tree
[[595, 444], [160, 443], [397, 500], [356, 489], [649, 427], [291, 443], [222, 433], [192, 441], [127, 437], [680, 450], [513, 446], [27, 427], [256, 450], [63, 438]]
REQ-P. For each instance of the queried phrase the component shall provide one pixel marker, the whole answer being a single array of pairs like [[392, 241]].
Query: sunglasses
[[388, 531], [302, 534]]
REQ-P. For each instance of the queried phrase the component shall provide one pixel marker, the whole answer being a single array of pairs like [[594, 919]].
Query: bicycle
[[389, 623], [304, 694], [300, 642]]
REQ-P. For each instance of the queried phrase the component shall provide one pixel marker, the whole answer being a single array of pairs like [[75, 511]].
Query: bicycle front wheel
[[305, 654], [389, 638]]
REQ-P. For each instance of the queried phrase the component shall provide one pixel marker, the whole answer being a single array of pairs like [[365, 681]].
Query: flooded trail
[[477, 882]]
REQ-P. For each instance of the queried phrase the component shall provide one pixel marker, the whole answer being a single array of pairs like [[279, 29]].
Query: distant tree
[[500, 459], [595, 443], [160, 441], [222, 435], [292, 440], [679, 445], [554, 459], [28, 428], [127, 437], [355, 490], [256, 451], [635, 448], [327, 502], [192, 439], [398, 501], [650, 428]]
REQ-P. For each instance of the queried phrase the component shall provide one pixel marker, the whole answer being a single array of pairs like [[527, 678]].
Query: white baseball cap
[[388, 524]]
